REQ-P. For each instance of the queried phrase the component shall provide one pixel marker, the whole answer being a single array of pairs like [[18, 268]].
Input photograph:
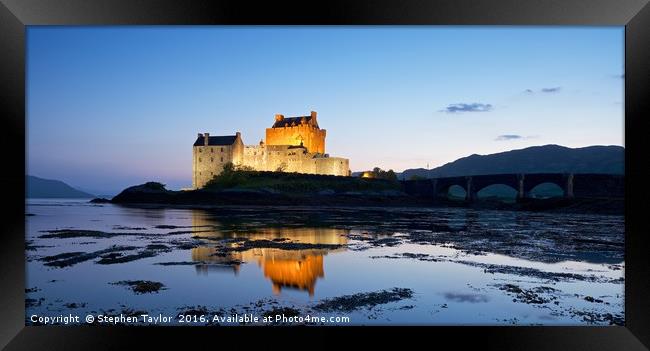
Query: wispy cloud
[[471, 107], [550, 90], [544, 90], [507, 137]]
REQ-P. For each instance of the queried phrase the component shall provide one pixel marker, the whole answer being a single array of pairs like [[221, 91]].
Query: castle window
[[199, 159], [211, 159], [200, 149], [221, 149], [211, 149], [222, 159]]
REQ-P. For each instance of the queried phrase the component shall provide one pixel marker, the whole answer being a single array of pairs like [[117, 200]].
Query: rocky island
[[238, 187]]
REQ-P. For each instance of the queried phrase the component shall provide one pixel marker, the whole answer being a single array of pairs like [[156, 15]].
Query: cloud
[[543, 90], [508, 137], [550, 90], [472, 107]]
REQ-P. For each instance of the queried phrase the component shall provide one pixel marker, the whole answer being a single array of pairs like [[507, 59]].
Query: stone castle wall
[[208, 161], [312, 138], [332, 165], [293, 159]]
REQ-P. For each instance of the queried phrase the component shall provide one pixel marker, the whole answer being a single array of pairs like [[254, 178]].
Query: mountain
[[535, 159], [49, 188]]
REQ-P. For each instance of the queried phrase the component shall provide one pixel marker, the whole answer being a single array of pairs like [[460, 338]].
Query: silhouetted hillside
[[49, 188], [535, 159]]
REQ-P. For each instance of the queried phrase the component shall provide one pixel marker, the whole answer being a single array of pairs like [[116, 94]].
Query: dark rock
[[127, 258], [74, 305], [348, 303], [100, 200], [591, 299], [150, 192], [530, 296], [282, 311], [246, 245], [71, 258], [141, 286]]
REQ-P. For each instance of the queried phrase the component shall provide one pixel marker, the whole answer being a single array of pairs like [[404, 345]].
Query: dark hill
[[48, 188], [535, 159]]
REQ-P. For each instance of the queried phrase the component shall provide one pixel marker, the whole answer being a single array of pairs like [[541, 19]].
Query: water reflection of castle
[[297, 269]]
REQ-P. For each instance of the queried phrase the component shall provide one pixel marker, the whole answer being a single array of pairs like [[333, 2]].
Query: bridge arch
[[546, 190], [442, 186], [498, 191], [455, 192], [563, 181]]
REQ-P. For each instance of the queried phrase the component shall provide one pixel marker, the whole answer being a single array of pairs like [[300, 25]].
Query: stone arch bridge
[[572, 185]]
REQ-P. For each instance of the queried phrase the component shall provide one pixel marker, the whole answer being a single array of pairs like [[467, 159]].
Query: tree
[[244, 168], [228, 167], [390, 175], [231, 175], [379, 173], [282, 167]]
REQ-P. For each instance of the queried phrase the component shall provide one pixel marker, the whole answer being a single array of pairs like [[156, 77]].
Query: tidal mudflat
[[376, 266]]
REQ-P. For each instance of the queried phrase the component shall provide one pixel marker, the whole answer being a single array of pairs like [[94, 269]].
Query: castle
[[293, 144]]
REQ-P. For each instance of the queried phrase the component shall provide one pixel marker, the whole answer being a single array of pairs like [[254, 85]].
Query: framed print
[[465, 171]]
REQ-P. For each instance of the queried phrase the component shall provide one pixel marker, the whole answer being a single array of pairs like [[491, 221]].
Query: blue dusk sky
[[109, 107]]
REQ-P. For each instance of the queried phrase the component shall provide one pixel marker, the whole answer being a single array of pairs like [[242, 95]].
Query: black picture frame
[[15, 15]]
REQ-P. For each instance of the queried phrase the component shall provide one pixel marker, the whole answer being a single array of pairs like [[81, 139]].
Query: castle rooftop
[[288, 121], [216, 140]]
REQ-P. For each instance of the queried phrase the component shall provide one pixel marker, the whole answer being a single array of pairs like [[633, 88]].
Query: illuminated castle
[[293, 144]]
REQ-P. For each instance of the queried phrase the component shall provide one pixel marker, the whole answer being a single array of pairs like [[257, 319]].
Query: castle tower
[[296, 131]]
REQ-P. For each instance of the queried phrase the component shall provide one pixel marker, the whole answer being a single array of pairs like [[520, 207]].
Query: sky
[[111, 107]]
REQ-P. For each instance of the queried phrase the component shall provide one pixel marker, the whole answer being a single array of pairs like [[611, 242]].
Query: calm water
[[463, 266]]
